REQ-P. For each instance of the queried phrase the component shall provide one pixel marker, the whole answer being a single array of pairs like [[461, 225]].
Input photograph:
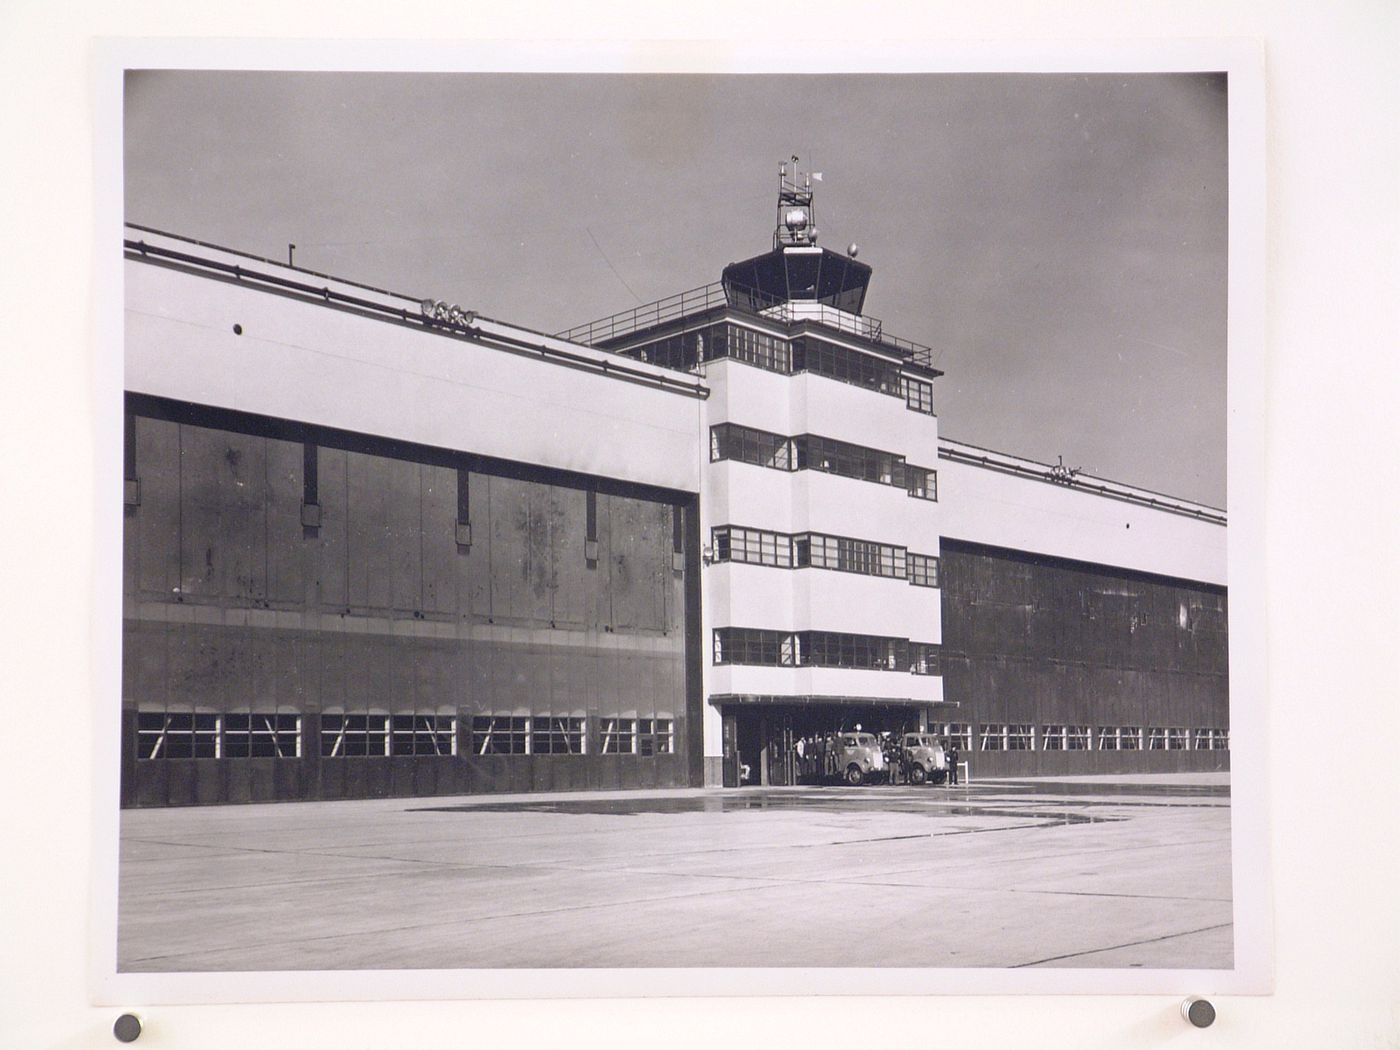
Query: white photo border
[[1241, 60]]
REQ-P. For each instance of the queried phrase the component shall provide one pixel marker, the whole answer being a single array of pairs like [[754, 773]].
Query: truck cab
[[859, 757], [924, 759]]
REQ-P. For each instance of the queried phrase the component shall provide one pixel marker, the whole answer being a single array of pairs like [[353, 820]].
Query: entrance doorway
[[765, 735]]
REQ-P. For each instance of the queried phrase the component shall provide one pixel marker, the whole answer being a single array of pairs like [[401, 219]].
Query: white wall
[[980, 505], [740, 595], [744, 595], [305, 362], [825, 681]]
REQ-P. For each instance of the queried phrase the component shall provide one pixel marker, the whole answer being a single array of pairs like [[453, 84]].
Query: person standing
[[892, 758], [950, 753]]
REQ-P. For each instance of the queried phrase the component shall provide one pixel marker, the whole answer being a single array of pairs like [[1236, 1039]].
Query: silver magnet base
[[1198, 1012]]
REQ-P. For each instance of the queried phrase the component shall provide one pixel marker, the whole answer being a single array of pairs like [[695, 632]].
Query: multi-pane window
[[258, 734], [422, 735], [753, 546], [847, 366], [1209, 740], [1052, 738], [655, 736], [830, 456], [848, 555], [745, 645], [500, 735], [1020, 738], [922, 483], [1076, 738], [923, 658], [958, 734], [1176, 739], [729, 441], [354, 736], [1120, 738], [923, 570], [241, 734], [1156, 739], [176, 734], [992, 737], [918, 395], [619, 736], [747, 445], [678, 351], [809, 550], [745, 344], [870, 652], [556, 736]]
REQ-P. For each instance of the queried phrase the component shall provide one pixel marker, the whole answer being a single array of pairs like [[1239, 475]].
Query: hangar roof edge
[[1089, 484], [447, 319]]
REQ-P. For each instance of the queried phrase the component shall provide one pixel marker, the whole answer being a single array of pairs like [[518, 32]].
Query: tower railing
[[745, 300]]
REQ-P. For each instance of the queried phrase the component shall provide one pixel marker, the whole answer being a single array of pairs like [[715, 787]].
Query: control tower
[[797, 270]]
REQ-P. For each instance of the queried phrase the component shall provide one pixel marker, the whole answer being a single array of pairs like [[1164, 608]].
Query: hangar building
[[376, 545]]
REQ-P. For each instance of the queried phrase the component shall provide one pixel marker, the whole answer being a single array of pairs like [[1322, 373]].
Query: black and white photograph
[[649, 521], [666, 525]]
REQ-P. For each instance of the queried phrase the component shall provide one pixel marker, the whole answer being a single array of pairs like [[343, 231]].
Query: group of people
[[818, 757]]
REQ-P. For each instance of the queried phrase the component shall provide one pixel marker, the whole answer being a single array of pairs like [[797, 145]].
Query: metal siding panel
[[404, 533], [333, 778], [156, 521], [128, 788], [626, 568], [573, 596], [285, 545], [479, 558], [480, 668], [262, 779], [209, 775], [510, 552], [376, 777], [237, 781], [152, 784], [333, 540], [289, 780], [367, 540], [600, 610], [223, 515], [444, 570], [402, 773], [180, 781]]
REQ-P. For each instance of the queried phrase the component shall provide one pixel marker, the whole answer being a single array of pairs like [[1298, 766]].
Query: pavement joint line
[[549, 863], [878, 880], [1129, 944], [595, 906]]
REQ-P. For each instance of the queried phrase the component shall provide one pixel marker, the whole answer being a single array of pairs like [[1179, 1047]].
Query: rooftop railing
[[746, 300]]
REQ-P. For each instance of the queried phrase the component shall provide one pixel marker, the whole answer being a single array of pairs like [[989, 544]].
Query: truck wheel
[[854, 776], [917, 775]]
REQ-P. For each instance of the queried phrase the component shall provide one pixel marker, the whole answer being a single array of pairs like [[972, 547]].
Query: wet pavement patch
[[932, 805], [1076, 787]]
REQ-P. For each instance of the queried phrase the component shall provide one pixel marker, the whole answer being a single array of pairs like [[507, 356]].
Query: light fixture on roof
[[795, 227], [450, 314]]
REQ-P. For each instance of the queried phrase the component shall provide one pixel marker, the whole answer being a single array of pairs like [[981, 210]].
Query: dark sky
[[1060, 240]]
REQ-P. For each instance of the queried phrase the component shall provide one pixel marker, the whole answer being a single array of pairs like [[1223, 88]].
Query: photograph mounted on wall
[[591, 521]]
